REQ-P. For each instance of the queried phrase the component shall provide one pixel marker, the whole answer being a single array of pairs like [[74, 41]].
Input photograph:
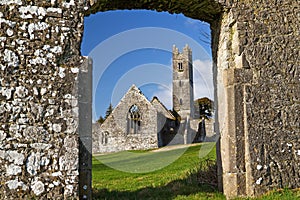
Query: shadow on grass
[[202, 183]]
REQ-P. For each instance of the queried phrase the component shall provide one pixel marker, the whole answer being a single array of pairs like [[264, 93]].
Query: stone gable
[[116, 126]]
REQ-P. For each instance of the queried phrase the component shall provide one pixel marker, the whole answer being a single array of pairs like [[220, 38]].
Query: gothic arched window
[[133, 120]]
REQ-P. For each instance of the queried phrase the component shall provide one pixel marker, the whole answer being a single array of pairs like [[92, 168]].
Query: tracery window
[[133, 120]]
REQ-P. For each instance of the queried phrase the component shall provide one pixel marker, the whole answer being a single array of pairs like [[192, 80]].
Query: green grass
[[143, 175], [283, 194], [178, 180]]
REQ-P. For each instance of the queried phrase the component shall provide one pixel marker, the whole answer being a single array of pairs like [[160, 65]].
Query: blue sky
[[135, 47]]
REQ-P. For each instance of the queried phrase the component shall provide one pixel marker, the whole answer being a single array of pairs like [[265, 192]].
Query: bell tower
[[183, 90]]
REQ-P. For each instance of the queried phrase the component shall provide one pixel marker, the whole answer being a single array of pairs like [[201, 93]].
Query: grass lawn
[[143, 175]]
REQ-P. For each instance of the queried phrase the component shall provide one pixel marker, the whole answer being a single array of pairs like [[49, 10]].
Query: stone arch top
[[206, 10]]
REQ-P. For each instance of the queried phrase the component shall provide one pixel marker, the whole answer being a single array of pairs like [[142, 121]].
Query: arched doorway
[[209, 11]]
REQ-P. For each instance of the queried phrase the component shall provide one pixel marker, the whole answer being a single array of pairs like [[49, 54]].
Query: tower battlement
[[183, 90]]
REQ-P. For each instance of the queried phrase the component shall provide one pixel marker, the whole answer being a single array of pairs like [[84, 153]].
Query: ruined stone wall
[[258, 87], [209, 130], [39, 66], [97, 137], [115, 127]]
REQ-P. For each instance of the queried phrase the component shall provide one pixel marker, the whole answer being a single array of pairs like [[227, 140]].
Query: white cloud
[[189, 22], [164, 94], [203, 79]]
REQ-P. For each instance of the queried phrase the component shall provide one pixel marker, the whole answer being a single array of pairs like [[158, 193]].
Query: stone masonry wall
[[116, 126], [273, 99], [258, 95], [39, 65]]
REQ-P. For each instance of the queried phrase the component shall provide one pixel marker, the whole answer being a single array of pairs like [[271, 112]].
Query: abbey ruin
[[45, 95], [137, 123]]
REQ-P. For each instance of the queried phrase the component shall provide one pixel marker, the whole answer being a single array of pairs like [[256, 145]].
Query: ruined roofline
[[164, 107], [133, 88]]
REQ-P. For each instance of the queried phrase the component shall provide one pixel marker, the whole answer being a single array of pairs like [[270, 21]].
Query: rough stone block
[[85, 184], [85, 81], [234, 184], [85, 153], [237, 76], [85, 119]]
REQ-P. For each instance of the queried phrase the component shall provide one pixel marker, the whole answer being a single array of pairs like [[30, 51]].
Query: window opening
[[134, 118], [104, 138], [131, 123], [180, 68]]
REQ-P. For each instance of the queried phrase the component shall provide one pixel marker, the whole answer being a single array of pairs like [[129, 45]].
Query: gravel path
[[172, 147]]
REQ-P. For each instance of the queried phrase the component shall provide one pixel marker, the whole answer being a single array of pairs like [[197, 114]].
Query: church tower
[[183, 90]]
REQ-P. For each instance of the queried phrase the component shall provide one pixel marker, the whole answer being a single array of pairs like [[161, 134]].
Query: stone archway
[[208, 11], [256, 74]]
